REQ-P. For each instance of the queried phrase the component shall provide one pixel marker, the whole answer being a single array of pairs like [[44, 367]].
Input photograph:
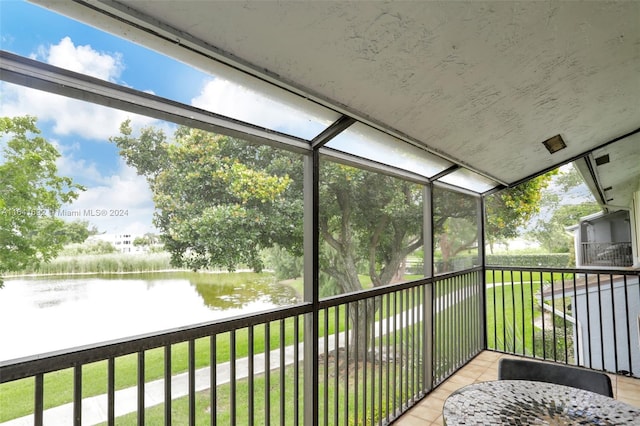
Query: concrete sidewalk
[[94, 409]]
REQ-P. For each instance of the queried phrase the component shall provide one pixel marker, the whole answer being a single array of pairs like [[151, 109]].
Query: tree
[[31, 192], [148, 239], [551, 233], [455, 226], [367, 218], [78, 231], [511, 208], [370, 222], [563, 204], [219, 200]]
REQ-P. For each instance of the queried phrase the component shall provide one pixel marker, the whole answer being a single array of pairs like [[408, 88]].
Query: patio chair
[[518, 369]]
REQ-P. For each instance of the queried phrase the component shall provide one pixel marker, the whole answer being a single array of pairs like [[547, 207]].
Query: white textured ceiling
[[481, 82]]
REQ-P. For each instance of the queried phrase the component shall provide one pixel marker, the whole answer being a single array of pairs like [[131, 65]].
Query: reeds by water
[[102, 264]]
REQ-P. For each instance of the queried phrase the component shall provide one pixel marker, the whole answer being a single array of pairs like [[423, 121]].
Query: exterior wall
[[634, 216], [613, 328], [613, 227]]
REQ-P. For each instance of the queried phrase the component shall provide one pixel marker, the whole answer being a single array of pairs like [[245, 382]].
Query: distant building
[[122, 242], [604, 240]]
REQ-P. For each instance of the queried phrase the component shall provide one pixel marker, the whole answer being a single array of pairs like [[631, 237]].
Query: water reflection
[[227, 292], [45, 314], [57, 293]]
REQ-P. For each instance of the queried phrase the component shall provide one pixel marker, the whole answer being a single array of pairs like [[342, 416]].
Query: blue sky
[[27, 29], [81, 130]]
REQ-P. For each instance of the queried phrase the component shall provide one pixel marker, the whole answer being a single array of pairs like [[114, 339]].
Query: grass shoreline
[[108, 264], [158, 271]]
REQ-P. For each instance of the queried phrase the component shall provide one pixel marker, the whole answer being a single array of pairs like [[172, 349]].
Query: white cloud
[[83, 59], [71, 116], [121, 204], [68, 165], [242, 103]]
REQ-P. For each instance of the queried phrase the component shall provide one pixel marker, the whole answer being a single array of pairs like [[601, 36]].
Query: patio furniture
[[519, 369], [530, 402]]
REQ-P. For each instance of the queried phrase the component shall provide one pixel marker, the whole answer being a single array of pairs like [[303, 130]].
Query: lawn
[[510, 317]]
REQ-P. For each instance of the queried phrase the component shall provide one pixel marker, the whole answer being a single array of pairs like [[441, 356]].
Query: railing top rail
[[387, 289], [604, 242], [609, 271], [52, 361]]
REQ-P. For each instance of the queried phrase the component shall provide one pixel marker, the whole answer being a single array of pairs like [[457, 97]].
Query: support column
[[311, 286], [483, 261], [427, 305]]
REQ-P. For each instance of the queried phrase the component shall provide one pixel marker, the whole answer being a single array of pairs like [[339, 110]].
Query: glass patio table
[[522, 402]]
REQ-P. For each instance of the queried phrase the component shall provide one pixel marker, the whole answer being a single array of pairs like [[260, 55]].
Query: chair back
[[519, 369]]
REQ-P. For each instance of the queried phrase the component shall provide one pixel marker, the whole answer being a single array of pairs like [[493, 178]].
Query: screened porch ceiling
[[478, 85]]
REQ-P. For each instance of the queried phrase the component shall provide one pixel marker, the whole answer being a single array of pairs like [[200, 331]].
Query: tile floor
[[485, 367]]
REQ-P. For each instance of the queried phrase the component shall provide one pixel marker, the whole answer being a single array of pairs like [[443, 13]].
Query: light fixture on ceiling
[[554, 144]]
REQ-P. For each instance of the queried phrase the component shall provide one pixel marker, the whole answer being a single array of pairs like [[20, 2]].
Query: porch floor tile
[[485, 367]]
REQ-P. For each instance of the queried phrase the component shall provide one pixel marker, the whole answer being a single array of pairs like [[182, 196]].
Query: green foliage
[[107, 263], [91, 247], [31, 192], [366, 218], [551, 233], [219, 201], [78, 231], [146, 240], [564, 212], [511, 208], [548, 260], [455, 228], [285, 265]]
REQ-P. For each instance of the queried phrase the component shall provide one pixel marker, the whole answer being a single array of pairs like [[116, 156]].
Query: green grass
[[523, 276], [180, 407], [16, 397], [272, 398], [298, 283], [509, 308]]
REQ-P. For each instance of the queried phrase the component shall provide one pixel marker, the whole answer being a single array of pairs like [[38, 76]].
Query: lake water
[[39, 315]]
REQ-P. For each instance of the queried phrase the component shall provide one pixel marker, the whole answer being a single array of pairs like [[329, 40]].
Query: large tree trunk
[[402, 269], [361, 325]]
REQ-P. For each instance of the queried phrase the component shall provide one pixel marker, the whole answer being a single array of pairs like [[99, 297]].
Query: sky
[[81, 131]]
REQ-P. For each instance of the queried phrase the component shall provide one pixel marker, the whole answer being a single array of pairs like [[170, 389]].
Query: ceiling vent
[[554, 144], [603, 159]]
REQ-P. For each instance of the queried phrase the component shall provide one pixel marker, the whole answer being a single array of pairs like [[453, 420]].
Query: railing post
[[482, 212], [311, 282], [427, 304]]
